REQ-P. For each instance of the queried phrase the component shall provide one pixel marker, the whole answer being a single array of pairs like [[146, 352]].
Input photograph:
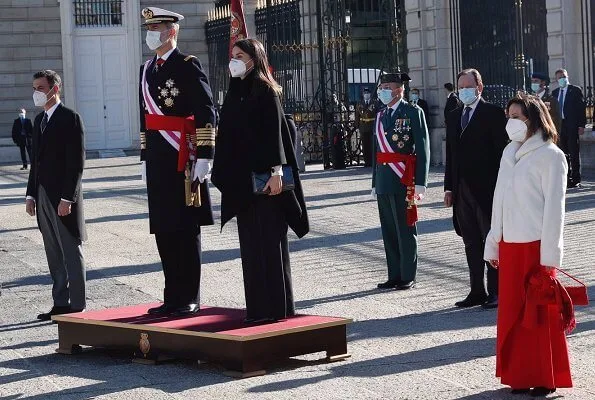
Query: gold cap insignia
[[147, 13]]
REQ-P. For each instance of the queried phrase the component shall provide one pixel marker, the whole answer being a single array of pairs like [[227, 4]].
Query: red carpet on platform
[[228, 321]]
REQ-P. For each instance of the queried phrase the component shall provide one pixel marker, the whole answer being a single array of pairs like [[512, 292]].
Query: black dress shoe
[[470, 302], [56, 310], [390, 284], [541, 391], [162, 309], [491, 302], [520, 391], [405, 285], [72, 311], [189, 309], [259, 321]]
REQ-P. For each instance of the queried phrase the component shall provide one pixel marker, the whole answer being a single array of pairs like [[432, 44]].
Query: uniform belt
[[367, 119], [407, 159], [184, 125]]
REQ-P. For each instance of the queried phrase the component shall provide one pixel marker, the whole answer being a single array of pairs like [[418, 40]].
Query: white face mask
[[516, 129], [22, 115], [153, 40], [40, 98], [366, 97], [237, 68]]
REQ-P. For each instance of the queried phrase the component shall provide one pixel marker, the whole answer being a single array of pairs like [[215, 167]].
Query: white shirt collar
[[51, 110], [396, 105], [166, 55]]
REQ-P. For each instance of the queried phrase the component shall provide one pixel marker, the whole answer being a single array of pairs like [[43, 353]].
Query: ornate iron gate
[[506, 48], [323, 52]]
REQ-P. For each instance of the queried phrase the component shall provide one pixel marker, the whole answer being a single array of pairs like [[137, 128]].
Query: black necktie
[[465, 119], [44, 122]]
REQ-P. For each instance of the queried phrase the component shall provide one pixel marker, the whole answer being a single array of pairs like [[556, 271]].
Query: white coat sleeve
[[553, 184]]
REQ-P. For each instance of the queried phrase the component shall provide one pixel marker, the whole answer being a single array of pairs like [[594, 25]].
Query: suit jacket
[[473, 154], [424, 106], [58, 158], [574, 106], [554, 108], [17, 128], [452, 103], [415, 141]]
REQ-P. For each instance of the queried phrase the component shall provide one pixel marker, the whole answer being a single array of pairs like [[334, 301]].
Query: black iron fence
[[506, 48], [323, 53]]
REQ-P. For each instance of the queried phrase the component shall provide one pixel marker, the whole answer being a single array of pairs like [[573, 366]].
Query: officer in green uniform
[[365, 115], [399, 177]]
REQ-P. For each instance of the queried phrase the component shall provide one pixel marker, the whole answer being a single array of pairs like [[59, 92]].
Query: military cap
[[539, 75], [154, 15], [397, 77]]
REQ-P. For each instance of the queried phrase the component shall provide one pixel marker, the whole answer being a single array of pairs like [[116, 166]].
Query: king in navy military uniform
[[177, 146], [399, 177]]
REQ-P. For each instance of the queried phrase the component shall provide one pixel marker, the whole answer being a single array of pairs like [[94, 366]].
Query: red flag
[[238, 23]]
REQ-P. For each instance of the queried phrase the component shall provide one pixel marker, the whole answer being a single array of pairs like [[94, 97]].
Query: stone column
[[430, 63]]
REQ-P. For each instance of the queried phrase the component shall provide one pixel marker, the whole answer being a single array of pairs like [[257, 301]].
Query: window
[[97, 13]]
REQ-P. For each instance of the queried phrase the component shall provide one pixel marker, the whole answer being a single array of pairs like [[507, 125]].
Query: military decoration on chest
[[168, 93], [401, 132]]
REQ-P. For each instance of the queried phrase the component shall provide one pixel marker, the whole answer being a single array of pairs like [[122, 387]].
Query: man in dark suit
[[475, 138], [22, 130], [177, 120], [574, 118], [421, 103], [54, 193], [452, 100], [540, 86]]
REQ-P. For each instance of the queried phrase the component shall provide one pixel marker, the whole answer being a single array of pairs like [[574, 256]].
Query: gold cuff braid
[[205, 136], [143, 141]]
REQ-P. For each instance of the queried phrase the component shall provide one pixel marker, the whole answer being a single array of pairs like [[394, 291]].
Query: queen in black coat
[[253, 136]]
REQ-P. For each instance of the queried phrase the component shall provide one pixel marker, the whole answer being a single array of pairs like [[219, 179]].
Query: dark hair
[[471, 71], [538, 115], [52, 77], [255, 50], [449, 86]]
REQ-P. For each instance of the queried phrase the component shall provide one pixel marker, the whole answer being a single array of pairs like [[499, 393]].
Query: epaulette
[[189, 58]]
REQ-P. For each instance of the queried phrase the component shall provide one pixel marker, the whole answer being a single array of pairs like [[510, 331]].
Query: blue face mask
[[563, 82], [385, 95], [414, 97], [467, 95], [535, 87]]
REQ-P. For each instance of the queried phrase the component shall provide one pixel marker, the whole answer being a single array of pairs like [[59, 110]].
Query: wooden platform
[[215, 335]]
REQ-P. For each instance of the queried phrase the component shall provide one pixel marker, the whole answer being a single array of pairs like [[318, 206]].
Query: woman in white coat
[[525, 238]]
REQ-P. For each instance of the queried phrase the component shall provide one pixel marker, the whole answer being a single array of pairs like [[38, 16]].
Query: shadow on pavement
[[446, 354]]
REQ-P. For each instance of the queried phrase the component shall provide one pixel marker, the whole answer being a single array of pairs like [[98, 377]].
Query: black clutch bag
[[260, 179]]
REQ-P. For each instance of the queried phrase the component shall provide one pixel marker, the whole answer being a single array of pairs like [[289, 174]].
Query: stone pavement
[[404, 345]]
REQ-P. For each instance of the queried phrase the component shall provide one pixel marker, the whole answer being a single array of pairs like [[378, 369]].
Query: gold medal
[[395, 137]]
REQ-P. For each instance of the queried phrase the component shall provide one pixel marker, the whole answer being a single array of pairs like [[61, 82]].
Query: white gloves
[[202, 169], [420, 192], [373, 193], [143, 171]]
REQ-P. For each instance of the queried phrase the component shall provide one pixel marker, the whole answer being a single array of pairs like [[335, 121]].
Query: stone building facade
[[99, 61]]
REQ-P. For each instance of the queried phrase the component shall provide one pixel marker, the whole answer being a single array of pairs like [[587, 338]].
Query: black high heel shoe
[[520, 391]]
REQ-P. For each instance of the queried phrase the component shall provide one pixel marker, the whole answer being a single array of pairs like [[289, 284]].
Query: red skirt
[[527, 358]]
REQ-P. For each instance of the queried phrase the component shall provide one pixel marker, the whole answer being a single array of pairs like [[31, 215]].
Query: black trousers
[[180, 257], [570, 144], [265, 259], [24, 148], [474, 225]]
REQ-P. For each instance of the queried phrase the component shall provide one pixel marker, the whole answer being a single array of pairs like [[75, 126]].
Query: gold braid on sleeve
[[143, 141]]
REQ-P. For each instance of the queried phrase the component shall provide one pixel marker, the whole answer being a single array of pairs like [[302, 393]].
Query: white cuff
[[420, 190], [68, 201], [30, 198], [143, 171], [277, 170]]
